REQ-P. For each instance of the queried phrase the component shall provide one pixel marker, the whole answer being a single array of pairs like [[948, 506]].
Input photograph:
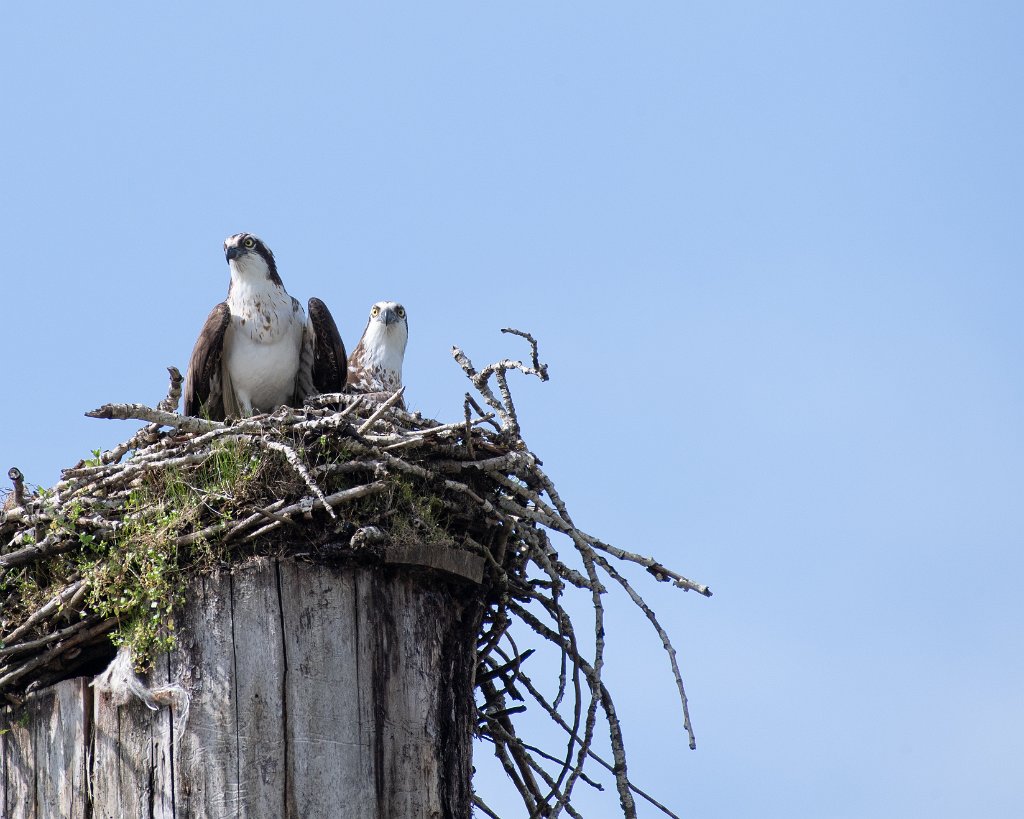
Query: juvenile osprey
[[376, 362], [257, 350]]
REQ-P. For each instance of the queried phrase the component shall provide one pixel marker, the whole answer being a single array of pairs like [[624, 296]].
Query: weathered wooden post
[[44, 754], [316, 691]]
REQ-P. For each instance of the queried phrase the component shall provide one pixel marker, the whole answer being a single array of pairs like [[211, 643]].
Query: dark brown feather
[[203, 390], [330, 364]]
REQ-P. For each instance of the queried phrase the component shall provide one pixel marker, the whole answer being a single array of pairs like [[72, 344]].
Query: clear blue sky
[[773, 255]]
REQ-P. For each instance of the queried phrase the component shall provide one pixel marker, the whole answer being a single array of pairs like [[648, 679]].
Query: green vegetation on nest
[[140, 573]]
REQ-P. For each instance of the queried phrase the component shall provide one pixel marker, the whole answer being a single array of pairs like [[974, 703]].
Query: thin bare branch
[[140, 412], [394, 399]]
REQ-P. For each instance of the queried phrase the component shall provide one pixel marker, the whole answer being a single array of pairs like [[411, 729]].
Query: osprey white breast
[[263, 344]]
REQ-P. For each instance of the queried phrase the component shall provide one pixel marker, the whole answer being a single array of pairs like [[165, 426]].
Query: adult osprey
[[257, 350], [376, 362]]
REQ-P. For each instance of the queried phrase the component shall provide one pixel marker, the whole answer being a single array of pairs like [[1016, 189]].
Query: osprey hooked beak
[[388, 316], [241, 244]]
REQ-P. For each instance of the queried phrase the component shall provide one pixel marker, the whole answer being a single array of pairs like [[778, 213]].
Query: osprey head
[[386, 334], [388, 329], [389, 313], [247, 256]]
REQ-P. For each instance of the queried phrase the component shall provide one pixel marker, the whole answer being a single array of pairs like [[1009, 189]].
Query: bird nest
[[100, 559]]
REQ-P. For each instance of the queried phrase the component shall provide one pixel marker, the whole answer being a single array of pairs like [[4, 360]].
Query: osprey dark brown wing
[[330, 364], [204, 388]]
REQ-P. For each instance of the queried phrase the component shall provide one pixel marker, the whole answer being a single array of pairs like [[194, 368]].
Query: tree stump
[[315, 691]]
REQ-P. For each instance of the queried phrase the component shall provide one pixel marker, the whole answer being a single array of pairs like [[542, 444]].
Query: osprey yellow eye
[[401, 311], [375, 311], [249, 242]]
